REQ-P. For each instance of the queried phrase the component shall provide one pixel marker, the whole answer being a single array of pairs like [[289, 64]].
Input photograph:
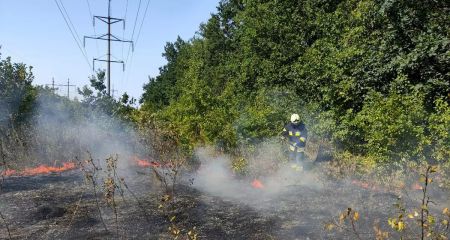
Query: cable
[[70, 21], [135, 20], [95, 32], [134, 27], [73, 36], [142, 23], [139, 33], [124, 20], [71, 24], [132, 35]]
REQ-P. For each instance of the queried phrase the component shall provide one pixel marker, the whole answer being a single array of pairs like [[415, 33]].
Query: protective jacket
[[296, 135]]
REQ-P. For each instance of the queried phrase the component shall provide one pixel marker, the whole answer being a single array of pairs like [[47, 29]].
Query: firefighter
[[296, 134]]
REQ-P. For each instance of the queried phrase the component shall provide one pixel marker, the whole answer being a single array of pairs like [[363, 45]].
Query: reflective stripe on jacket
[[297, 135]]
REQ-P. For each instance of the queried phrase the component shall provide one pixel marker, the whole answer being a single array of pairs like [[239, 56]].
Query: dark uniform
[[296, 135]]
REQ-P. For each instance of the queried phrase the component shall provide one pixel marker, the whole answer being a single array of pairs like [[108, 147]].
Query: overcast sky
[[34, 32]]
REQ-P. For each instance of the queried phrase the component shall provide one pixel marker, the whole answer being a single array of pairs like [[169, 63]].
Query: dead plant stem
[[75, 212], [6, 224]]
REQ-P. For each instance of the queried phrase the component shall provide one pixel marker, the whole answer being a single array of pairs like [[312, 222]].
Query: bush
[[439, 125], [394, 127]]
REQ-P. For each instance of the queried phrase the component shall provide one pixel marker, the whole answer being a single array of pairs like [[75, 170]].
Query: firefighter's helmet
[[295, 118]]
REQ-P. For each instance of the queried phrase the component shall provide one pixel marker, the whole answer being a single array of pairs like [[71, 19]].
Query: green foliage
[[399, 127], [439, 125], [16, 92], [394, 126], [36, 125], [371, 76], [96, 98]]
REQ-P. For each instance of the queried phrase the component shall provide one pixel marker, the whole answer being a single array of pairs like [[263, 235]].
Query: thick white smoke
[[217, 178], [63, 132]]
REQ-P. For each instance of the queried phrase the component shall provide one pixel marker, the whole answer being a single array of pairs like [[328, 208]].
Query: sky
[[34, 32]]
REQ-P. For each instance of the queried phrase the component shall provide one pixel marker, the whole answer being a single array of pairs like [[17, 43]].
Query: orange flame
[[145, 162], [257, 184], [367, 186], [9, 172], [39, 170], [360, 184], [416, 186]]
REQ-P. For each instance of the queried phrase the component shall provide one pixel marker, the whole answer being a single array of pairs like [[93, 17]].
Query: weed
[[90, 170], [165, 149], [347, 217], [111, 184], [168, 208], [407, 221]]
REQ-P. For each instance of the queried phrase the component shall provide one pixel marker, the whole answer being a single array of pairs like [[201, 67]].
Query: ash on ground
[[65, 206]]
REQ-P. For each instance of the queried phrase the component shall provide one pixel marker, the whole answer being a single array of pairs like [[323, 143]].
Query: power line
[[135, 42], [124, 19], [73, 27], [70, 21], [134, 27], [109, 37], [135, 20], [68, 85], [95, 32], [123, 35], [142, 23], [73, 35]]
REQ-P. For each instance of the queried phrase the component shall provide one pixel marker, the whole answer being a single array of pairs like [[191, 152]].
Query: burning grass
[[99, 200], [143, 211], [39, 170]]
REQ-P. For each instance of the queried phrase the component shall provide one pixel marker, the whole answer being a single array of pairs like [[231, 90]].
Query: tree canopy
[[372, 76]]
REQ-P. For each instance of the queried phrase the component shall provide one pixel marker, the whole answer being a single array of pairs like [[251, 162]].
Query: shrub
[[393, 127]]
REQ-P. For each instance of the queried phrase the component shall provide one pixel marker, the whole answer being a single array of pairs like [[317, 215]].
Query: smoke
[[60, 130], [303, 192], [265, 165], [216, 177]]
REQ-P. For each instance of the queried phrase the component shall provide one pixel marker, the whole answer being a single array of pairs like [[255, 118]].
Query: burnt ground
[[63, 206]]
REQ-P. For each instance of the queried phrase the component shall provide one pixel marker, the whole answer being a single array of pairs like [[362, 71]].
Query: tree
[[16, 94]]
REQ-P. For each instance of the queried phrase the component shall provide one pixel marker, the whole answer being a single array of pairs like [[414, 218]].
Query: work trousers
[[297, 157]]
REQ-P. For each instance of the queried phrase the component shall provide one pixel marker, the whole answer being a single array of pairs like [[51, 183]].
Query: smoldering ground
[[304, 200], [221, 205], [216, 176]]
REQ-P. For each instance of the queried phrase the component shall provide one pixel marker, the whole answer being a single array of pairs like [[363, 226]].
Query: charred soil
[[63, 206]]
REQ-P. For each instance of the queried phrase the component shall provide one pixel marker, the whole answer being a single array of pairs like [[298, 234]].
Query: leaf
[[355, 216], [422, 179], [392, 223], [401, 226], [172, 218], [342, 217], [430, 219], [433, 169], [165, 198], [411, 216], [446, 212], [329, 226]]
